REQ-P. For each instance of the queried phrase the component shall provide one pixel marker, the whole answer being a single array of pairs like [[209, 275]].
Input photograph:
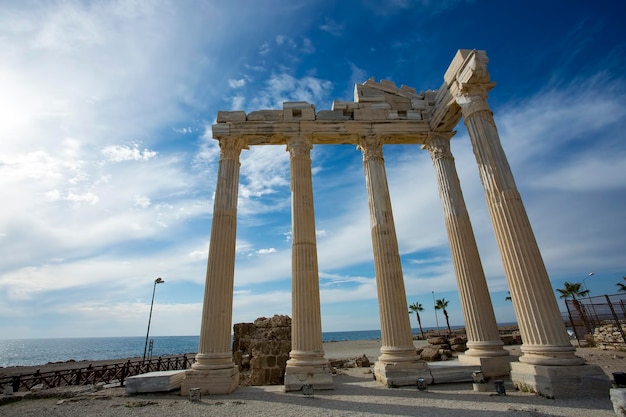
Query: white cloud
[[120, 153], [236, 83], [238, 102], [264, 49], [266, 251], [284, 87], [333, 27], [142, 201]]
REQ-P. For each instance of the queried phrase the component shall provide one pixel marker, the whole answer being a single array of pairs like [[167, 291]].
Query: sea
[[32, 352]]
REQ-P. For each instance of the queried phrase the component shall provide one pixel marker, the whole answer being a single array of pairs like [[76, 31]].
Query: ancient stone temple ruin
[[383, 115], [261, 350]]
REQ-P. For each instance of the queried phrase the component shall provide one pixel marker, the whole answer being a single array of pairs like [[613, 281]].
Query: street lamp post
[[156, 281], [589, 298], [435, 307]]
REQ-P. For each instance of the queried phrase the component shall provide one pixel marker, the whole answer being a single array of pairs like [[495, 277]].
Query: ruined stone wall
[[261, 350], [608, 336]]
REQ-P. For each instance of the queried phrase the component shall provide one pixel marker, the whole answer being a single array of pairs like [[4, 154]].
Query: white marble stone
[[159, 381]]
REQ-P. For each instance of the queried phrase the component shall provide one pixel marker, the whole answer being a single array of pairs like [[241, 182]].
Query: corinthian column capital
[[230, 147], [371, 146], [299, 146], [438, 144], [472, 98]]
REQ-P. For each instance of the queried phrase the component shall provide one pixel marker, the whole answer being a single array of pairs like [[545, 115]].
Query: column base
[[397, 374], [211, 381], [560, 381], [550, 355], [319, 376], [490, 367]]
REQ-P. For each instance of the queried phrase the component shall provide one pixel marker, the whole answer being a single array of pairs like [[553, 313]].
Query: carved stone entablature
[[401, 114], [466, 73]]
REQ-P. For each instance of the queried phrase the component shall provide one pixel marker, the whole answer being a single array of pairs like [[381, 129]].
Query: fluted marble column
[[307, 365], [548, 364], [483, 337], [541, 325], [214, 371], [399, 363]]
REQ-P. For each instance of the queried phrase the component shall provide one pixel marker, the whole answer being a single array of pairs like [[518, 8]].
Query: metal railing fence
[[92, 375]]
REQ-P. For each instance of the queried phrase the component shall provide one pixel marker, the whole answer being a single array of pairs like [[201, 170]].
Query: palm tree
[[441, 304], [622, 287], [573, 290], [508, 297], [416, 308]]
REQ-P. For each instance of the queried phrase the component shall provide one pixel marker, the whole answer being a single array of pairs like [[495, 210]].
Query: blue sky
[[107, 165]]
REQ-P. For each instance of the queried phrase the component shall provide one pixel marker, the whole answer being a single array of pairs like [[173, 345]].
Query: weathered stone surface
[[331, 115], [231, 116], [154, 382], [298, 114], [265, 115], [618, 398], [561, 381], [261, 350], [363, 362], [430, 353], [609, 336], [439, 340], [456, 340], [297, 105]]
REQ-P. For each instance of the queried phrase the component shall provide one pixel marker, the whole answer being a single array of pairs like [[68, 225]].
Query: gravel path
[[355, 394]]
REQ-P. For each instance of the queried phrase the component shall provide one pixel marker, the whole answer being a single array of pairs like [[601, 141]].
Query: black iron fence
[[585, 315], [91, 375]]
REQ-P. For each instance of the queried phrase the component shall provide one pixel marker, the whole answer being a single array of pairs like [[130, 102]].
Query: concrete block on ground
[[159, 381], [618, 398], [451, 371]]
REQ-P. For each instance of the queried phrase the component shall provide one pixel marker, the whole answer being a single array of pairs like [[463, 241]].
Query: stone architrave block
[[418, 104], [414, 115], [376, 105], [220, 129], [393, 115], [331, 115], [406, 89], [299, 114], [388, 86], [265, 116], [231, 116], [297, 105], [363, 92], [430, 96], [370, 114], [340, 105]]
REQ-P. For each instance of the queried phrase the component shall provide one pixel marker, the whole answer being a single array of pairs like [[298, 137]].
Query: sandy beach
[[355, 393]]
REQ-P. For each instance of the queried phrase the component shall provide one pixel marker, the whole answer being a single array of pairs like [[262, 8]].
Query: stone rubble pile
[[442, 348], [609, 336]]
